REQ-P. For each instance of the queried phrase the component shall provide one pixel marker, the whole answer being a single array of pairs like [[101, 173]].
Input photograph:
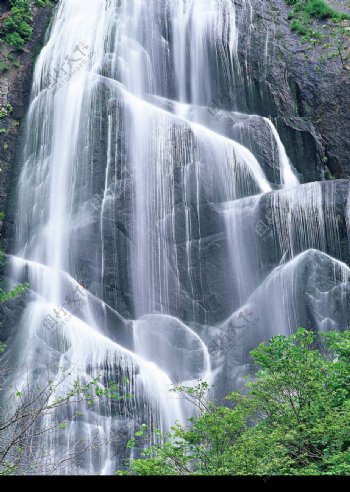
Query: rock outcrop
[[306, 94], [15, 86], [302, 86]]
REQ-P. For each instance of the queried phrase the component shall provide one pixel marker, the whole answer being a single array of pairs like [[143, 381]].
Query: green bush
[[293, 419], [299, 27], [316, 8], [16, 30], [320, 9]]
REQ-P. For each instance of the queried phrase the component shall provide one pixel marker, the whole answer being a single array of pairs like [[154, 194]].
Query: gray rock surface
[[301, 86], [15, 87]]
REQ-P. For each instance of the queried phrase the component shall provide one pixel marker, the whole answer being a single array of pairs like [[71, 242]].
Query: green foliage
[[305, 20], [20, 289], [319, 24], [45, 3], [3, 66], [299, 26], [293, 419], [20, 432], [5, 110], [318, 9], [328, 175], [16, 29]]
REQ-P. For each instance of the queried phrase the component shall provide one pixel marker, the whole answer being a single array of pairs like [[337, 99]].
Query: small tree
[[39, 413], [294, 419], [25, 421]]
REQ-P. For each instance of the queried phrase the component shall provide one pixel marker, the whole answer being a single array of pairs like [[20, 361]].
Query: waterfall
[[159, 245]]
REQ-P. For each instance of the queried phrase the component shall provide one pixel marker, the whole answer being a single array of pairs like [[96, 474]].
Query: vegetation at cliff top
[[320, 24], [16, 26], [16, 29], [318, 9], [292, 419], [305, 11]]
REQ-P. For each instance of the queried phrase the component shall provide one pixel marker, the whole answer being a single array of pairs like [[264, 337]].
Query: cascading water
[[158, 247]]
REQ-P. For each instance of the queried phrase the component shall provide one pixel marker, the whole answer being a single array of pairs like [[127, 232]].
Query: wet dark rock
[[333, 213], [15, 87], [295, 82], [321, 302]]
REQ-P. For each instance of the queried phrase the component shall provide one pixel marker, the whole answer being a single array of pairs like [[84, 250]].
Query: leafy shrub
[[293, 418]]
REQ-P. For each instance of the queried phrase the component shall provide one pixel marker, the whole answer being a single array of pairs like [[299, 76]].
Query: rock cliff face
[[303, 86], [15, 86], [305, 93], [178, 229], [282, 79]]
